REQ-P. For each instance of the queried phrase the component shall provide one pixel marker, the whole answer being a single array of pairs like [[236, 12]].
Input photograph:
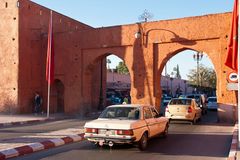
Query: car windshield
[[180, 102], [121, 113]]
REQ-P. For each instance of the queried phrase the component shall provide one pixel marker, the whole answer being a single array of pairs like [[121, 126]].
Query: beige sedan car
[[183, 109], [129, 124]]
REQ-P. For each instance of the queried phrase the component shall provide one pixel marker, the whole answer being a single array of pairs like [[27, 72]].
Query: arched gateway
[[80, 51]]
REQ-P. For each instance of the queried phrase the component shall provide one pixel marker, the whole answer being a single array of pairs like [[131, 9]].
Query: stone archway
[[95, 76]]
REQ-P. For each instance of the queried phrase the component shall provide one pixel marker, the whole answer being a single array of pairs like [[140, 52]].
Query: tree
[[177, 72], [122, 68], [207, 77]]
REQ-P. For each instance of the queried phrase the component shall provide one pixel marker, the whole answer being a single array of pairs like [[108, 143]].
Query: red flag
[[50, 54], [232, 57]]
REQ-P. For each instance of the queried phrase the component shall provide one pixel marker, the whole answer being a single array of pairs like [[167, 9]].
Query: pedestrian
[[125, 100], [37, 103]]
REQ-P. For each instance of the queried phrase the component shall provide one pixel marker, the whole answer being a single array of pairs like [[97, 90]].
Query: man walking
[[38, 102]]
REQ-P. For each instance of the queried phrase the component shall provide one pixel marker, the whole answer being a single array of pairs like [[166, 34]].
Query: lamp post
[[100, 105], [171, 79], [198, 57], [185, 86]]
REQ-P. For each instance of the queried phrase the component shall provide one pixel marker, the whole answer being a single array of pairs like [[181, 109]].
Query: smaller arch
[[57, 95], [96, 72]]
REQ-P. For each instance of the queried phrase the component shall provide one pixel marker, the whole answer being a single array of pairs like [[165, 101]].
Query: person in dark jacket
[[37, 103]]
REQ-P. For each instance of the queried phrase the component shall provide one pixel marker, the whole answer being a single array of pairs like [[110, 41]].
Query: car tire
[[142, 144], [205, 111], [194, 121], [165, 133]]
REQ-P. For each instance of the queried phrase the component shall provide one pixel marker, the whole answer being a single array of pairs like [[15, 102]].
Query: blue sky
[[98, 13]]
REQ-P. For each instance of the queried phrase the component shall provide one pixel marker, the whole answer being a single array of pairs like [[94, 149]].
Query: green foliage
[[122, 68], [207, 77]]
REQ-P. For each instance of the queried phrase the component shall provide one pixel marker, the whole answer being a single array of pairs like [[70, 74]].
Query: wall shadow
[[139, 67]]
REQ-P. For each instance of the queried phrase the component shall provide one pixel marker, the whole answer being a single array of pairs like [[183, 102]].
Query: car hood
[[110, 124]]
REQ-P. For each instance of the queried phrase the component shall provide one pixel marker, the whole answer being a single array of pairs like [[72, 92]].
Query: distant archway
[[118, 81], [184, 75], [106, 82]]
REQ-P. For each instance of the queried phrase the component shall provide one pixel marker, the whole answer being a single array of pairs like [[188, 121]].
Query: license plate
[[106, 132], [101, 142]]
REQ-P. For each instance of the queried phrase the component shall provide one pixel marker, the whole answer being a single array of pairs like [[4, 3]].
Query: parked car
[[200, 100], [164, 103], [126, 124], [166, 99], [163, 108], [212, 103], [182, 96], [183, 109]]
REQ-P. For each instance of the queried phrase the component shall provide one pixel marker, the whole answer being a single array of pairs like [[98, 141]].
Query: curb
[[8, 124], [234, 145], [34, 147]]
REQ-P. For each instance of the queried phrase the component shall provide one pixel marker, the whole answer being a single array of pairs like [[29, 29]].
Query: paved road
[[206, 141]]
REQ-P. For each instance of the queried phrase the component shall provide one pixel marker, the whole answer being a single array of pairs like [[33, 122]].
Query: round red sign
[[233, 77]]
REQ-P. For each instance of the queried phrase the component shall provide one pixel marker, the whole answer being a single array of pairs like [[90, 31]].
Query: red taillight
[[125, 132], [167, 110], [189, 110], [91, 130]]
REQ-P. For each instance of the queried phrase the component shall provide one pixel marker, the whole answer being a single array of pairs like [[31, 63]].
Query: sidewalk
[[28, 144], [39, 141], [234, 151], [9, 120]]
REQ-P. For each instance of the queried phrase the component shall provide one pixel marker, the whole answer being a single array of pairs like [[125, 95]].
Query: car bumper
[[212, 107], [107, 139], [175, 117]]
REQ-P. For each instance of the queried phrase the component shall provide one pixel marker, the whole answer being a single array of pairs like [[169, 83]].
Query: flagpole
[[49, 67], [238, 104]]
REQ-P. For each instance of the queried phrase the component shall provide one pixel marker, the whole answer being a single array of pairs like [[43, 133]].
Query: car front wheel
[[165, 133], [142, 144]]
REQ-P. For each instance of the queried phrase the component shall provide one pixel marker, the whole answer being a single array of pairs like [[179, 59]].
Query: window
[[131, 113], [180, 102], [147, 113], [154, 112]]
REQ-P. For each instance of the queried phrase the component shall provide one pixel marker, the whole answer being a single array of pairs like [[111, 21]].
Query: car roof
[[182, 98], [212, 97]]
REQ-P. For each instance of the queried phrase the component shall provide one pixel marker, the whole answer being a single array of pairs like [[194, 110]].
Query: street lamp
[[171, 79], [185, 86], [100, 105], [198, 57]]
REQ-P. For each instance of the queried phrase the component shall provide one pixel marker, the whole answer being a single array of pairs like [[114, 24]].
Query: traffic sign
[[233, 77]]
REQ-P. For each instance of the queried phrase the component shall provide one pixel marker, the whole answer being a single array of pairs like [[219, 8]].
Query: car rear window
[[212, 99], [180, 102], [121, 113]]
